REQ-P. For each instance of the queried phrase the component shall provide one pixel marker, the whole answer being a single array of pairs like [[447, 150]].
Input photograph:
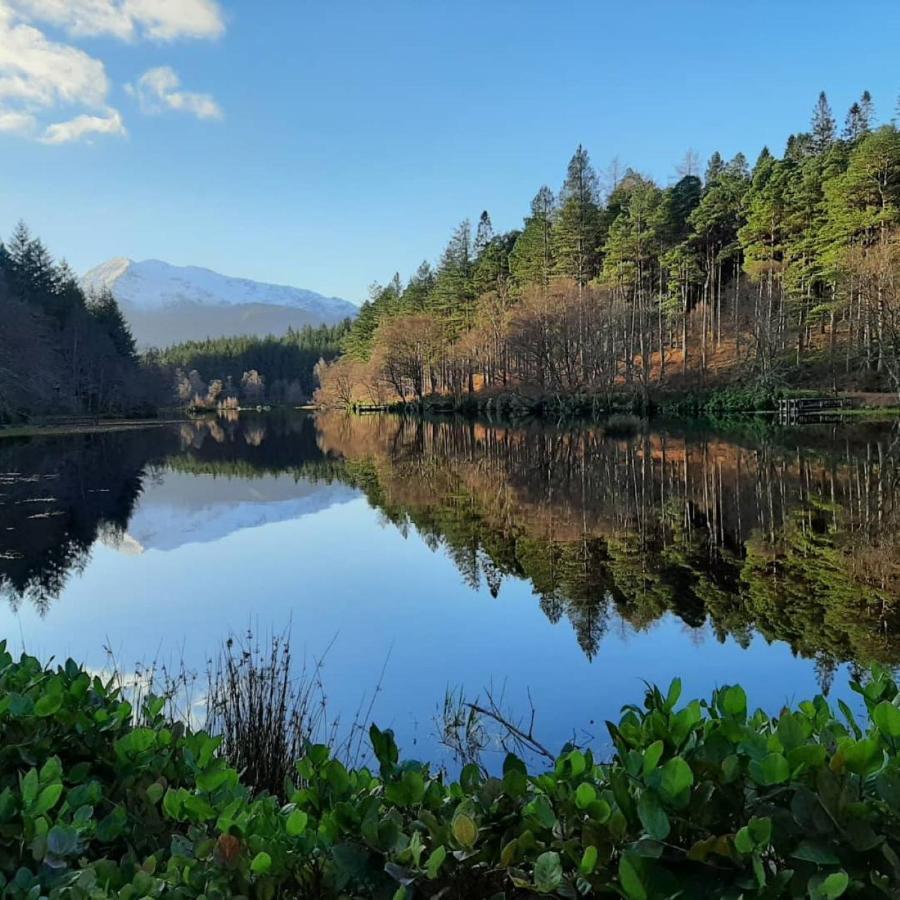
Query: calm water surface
[[568, 564]]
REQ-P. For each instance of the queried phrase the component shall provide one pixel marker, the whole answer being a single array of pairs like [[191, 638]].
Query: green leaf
[[172, 804], [62, 841], [47, 705], [138, 741], [757, 834], [887, 717], [835, 884], [734, 702], [585, 795], [435, 861], [540, 809], [588, 860], [743, 841], [653, 817], [861, 757], [155, 792], [761, 831], [811, 851], [212, 781], [385, 747], [674, 693], [296, 823], [51, 770], [652, 756], [830, 887], [675, 777], [261, 864], [338, 779], [464, 830], [29, 787], [771, 769], [548, 872], [47, 799], [631, 876]]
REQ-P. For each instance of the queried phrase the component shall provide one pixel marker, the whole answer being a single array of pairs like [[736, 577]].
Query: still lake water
[[568, 564]]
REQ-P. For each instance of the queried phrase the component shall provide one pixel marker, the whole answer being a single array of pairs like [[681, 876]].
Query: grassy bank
[[698, 799]]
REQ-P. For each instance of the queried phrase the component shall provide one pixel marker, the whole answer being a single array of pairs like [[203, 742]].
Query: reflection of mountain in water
[[150, 488], [180, 509]]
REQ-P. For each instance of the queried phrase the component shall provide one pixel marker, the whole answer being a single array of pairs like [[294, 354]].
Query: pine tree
[[854, 125], [762, 243], [714, 168], [6, 265], [577, 228], [418, 289], [823, 125], [492, 266], [17, 246], [532, 260], [105, 311], [453, 293], [484, 234], [867, 111]]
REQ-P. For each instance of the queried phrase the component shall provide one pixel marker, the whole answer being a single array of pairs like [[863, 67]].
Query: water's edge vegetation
[[100, 797]]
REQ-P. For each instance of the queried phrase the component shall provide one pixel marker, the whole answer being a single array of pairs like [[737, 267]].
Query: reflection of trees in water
[[740, 537], [59, 495], [735, 538]]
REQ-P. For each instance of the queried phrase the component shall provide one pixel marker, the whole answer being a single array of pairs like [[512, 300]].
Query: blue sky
[[328, 144]]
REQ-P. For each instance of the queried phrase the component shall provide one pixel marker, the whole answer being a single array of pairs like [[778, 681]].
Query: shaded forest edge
[[106, 791], [724, 290]]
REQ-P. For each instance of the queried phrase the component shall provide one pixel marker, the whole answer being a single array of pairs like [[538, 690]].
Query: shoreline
[[85, 426]]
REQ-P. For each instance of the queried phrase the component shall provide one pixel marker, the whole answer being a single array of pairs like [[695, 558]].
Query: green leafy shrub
[[734, 400], [704, 799]]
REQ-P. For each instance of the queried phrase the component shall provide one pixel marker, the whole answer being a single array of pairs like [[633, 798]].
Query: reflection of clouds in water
[[124, 543], [186, 700]]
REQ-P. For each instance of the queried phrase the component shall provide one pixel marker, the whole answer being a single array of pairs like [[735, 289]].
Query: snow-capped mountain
[[165, 304]]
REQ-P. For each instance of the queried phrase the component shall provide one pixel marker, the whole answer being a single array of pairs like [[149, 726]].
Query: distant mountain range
[[166, 304]]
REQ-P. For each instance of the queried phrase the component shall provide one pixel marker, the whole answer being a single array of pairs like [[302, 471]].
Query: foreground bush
[[699, 800]]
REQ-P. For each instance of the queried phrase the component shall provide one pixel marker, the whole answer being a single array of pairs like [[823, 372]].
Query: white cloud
[[77, 17], [163, 20], [34, 70], [159, 89], [55, 92], [83, 126], [17, 123], [38, 76], [167, 20]]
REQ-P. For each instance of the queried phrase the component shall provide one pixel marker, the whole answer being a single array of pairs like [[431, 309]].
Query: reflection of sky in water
[[265, 554]]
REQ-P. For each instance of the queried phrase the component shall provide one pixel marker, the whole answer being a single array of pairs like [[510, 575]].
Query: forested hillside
[[62, 352], [251, 369], [786, 271]]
